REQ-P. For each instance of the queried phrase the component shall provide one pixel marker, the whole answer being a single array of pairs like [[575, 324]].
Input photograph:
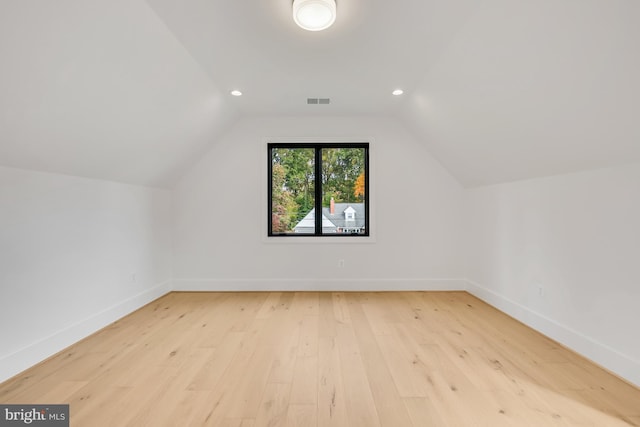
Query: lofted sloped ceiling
[[101, 89], [497, 90], [534, 88]]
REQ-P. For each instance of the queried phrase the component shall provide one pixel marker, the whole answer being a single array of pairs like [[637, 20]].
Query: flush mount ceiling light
[[314, 15], [236, 93], [397, 92]]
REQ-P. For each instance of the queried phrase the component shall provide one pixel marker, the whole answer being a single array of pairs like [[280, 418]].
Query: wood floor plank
[[248, 382], [60, 393], [422, 412], [331, 359], [304, 388], [340, 307], [284, 362], [308, 345], [326, 316], [269, 305], [390, 408], [332, 403], [210, 372], [361, 408], [379, 320], [407, 371], [302, 415], [186, 409], [274, 405], [306, 303], [237, 422]]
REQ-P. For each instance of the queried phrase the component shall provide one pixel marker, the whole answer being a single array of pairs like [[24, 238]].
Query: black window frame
[[318, 147]]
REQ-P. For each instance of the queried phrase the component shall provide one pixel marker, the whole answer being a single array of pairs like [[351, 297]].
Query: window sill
[[319, 240]]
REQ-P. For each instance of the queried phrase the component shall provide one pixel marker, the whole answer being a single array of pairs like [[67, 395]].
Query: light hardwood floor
[[324, 359]]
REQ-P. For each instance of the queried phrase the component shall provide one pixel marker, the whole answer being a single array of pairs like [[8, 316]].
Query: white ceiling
[[374, 47], [534, 88], [498, 90], [101, 89]]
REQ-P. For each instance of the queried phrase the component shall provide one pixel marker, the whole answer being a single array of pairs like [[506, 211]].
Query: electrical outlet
[[540, 291], [340, 263]]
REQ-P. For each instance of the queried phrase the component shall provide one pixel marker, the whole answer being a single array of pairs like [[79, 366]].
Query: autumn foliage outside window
[[323, 177]]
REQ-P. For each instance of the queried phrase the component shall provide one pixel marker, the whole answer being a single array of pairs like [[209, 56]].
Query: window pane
[[292, 190], [343, 191], [318, 189]]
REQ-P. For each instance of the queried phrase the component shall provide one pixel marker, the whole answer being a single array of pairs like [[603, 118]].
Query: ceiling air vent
[[316, 101]]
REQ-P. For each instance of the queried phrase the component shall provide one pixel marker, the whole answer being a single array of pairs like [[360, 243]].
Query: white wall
[[221, 216], [69, 248], [576, 237]]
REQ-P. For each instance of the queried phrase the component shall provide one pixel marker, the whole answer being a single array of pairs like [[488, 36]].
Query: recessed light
[[398, 92], [314, 15], [236, 93]]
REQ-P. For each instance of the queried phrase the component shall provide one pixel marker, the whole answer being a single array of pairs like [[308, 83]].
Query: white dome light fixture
[[314, 15]]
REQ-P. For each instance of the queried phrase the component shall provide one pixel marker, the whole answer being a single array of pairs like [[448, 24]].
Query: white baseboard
[[14, 363], [605, 356], [336, 285]]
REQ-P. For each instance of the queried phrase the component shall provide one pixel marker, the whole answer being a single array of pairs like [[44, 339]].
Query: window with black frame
[[329, 178]]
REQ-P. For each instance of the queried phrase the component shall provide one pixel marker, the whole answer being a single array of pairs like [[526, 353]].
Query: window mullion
[[318, 190]]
